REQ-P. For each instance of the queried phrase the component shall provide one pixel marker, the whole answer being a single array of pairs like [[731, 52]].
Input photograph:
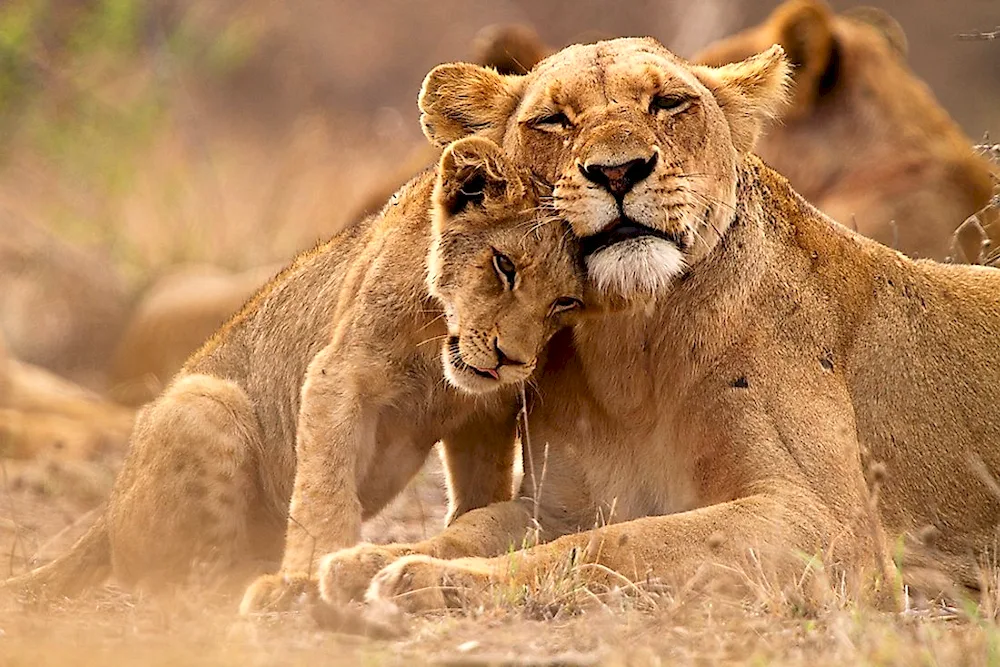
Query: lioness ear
[[804, 28], [460, 99], [470, 170], [749, 92]]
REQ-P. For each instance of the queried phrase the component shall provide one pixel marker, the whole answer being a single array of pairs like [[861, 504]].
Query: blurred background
[[239, 132]]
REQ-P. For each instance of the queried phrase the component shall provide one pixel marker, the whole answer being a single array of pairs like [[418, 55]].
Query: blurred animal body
[[172, 319], [864, 139], [60, 307]]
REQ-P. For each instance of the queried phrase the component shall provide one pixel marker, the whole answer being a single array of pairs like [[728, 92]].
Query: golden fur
[[326, 390], [173, 318], [61, 307], [864, 139], [44, 417], [788, 388]]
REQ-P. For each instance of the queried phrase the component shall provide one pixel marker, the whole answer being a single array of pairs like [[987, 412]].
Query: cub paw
[[277, 592], [421, 584], [344, 575]]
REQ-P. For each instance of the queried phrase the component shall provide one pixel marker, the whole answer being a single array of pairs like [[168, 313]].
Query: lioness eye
[[505, 269], [565, 303], [553, 121], [671, 103]]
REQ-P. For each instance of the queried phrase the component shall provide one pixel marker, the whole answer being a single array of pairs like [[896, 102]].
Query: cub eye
[[505, 269], [668, 103], [553, 122], [564, 304]]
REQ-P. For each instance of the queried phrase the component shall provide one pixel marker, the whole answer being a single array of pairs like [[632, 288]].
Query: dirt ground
[[44, 506]]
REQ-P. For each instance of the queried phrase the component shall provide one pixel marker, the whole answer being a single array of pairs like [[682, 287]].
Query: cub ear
[[804, 28], [509, 48], [749, 92], [470, 170], [459, 99]]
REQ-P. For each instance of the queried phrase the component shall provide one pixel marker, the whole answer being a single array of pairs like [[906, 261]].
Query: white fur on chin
[[645, 265]]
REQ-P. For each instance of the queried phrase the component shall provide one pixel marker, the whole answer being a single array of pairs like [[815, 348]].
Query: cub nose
[[619, 179], [504, 359]]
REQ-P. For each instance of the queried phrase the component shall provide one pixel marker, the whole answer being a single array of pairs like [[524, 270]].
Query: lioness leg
[[181, 500], [479, 463], [781, 529]]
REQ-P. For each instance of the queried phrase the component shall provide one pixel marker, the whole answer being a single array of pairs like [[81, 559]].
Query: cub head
[[642, 149], [503, 265]]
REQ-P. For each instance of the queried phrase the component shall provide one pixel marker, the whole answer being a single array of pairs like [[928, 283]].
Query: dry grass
[[561, 623]]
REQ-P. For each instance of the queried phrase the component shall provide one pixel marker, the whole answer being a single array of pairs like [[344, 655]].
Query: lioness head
[[504, 266], [641, 147]]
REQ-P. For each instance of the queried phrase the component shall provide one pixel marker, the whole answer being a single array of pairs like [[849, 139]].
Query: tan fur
[[791, 389], [865, 140], [43, 416], [61, 307], [173, 318], [326, 391]]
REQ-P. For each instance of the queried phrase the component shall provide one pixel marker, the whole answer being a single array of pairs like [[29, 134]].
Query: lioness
[[864, 139], [357, 332], [770, 369]]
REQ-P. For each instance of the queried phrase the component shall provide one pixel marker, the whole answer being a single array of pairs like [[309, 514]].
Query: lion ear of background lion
[[805, 31], [749, 93], [459, 99]]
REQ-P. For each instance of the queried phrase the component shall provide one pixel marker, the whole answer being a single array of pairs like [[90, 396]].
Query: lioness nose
[[619, 179]]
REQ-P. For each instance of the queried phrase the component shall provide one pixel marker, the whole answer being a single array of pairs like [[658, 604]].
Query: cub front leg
[[482, 519], [335, 431]]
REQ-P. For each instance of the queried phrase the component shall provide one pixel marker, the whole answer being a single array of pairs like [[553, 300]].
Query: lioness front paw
[[344, 575], [277, 592], [421, 583]]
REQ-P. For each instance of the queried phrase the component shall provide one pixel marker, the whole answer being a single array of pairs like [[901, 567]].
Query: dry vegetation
[[161, 135]]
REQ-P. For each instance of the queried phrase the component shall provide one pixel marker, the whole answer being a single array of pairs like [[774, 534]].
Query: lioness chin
[[316, 404], [770, 386]]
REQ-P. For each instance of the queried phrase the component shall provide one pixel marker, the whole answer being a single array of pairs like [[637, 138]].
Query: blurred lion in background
[[864, 138]]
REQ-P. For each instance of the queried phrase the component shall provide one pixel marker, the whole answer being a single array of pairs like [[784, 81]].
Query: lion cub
[[332, 385], [375, 399]]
